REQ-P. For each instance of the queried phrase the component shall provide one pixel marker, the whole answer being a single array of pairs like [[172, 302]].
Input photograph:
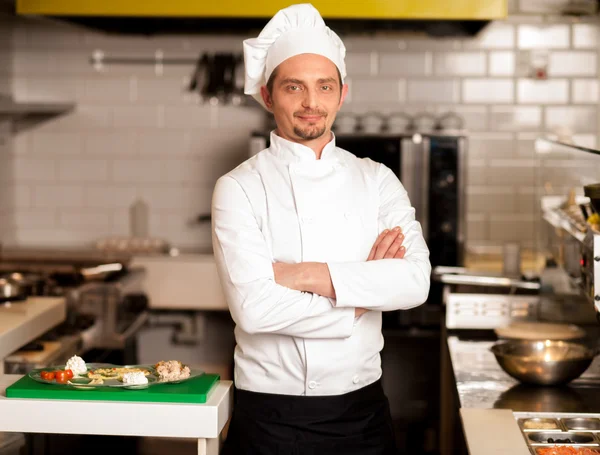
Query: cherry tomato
[[47, 375], [69, 374], [61, 376]]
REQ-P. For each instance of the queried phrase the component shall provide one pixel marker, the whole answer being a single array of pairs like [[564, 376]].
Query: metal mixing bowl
[[548, 362]]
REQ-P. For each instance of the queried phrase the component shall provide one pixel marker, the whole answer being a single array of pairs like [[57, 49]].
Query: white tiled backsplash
[[137, 133]]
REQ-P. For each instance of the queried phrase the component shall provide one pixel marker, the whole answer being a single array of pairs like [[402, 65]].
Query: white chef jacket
[[284, 205]]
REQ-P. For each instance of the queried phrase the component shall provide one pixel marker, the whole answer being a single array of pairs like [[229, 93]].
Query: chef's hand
[[302, 277], [358, 312], [388, 245]]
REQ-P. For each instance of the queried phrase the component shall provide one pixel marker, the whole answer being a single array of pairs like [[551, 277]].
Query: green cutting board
[[195, 390]]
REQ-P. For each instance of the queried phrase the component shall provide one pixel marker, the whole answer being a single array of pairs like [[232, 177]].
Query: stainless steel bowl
[[548, 362]]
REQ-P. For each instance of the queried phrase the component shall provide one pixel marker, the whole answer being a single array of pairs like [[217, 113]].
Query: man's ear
[[343, 94], [266, 96]]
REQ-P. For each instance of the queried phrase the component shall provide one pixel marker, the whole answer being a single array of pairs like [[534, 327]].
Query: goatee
[[309, 133]]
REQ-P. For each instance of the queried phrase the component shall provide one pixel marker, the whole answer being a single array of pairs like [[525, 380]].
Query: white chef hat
[[297, 29]]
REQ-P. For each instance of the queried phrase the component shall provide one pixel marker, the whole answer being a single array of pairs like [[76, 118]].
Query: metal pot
[[11, 291], [32, 284]]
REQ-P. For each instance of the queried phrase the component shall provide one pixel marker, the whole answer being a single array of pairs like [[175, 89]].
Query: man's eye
[[293, 88], [326, 87]]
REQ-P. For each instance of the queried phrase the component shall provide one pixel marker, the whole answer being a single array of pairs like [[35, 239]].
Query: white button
[[347, 215], [355, 379], [312, 384]]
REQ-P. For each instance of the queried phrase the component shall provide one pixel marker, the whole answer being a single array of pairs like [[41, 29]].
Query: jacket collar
[[292, 152]]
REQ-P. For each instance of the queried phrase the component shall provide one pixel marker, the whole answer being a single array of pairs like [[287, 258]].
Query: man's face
[[305, 97]]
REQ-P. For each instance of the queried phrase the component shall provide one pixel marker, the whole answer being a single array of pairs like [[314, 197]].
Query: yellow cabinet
[[349, 9]]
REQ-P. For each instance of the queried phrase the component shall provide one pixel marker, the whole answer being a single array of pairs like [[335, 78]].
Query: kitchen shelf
[[25, 115], [20, 109]]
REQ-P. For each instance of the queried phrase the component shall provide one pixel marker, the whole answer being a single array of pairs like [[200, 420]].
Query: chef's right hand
[[358, 312], [388, 245]]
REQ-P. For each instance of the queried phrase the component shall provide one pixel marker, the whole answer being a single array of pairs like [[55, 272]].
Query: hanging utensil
[[199, 77]]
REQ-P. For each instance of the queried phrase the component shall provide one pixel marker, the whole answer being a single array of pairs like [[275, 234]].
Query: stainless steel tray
[[569, 438]]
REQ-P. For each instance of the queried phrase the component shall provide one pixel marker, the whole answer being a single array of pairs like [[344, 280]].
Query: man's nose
[[311, 100]]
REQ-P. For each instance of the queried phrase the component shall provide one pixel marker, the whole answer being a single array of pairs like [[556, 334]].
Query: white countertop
[[22, 322], [184, 282], [492, 432], [179, 420]]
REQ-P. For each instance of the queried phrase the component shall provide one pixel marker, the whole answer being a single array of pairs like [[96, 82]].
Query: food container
[[581, 423], [539, 424], [562, 438], [563, 450]]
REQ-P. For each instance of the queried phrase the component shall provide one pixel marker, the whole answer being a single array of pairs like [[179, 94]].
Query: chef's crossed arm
[[256, 302], [383, 284], [387, 284]]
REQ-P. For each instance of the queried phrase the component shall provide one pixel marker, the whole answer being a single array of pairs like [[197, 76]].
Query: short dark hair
[[271, 80]]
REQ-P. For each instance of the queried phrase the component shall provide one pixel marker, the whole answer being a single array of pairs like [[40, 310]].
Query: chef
[[311, 245]]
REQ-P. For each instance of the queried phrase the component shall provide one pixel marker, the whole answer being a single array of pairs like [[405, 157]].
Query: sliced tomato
[[61, 376], [69, 374]]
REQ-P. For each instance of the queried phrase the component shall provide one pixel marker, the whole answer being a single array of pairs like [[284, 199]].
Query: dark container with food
[[548, 437]]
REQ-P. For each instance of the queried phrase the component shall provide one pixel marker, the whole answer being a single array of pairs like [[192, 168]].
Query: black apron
[[355, 423]]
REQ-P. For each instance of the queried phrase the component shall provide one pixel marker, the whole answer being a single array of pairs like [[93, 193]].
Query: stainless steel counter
[[481, 383], [487, 398]]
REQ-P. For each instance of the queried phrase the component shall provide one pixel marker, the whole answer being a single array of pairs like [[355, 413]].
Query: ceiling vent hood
[[431, 17]]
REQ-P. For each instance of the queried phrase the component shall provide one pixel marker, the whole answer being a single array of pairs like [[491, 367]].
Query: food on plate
[[77, 365], [135, 378], [115, 373], [60, 376], [566, 450], [172, 370]]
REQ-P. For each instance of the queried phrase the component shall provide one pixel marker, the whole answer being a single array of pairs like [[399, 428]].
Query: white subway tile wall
[[551, 36], [138, 133], [488, 91], [6, 141], [460, 63], [585, 36], [501, 63], [571, 63], [542, 92], [584, 91]]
